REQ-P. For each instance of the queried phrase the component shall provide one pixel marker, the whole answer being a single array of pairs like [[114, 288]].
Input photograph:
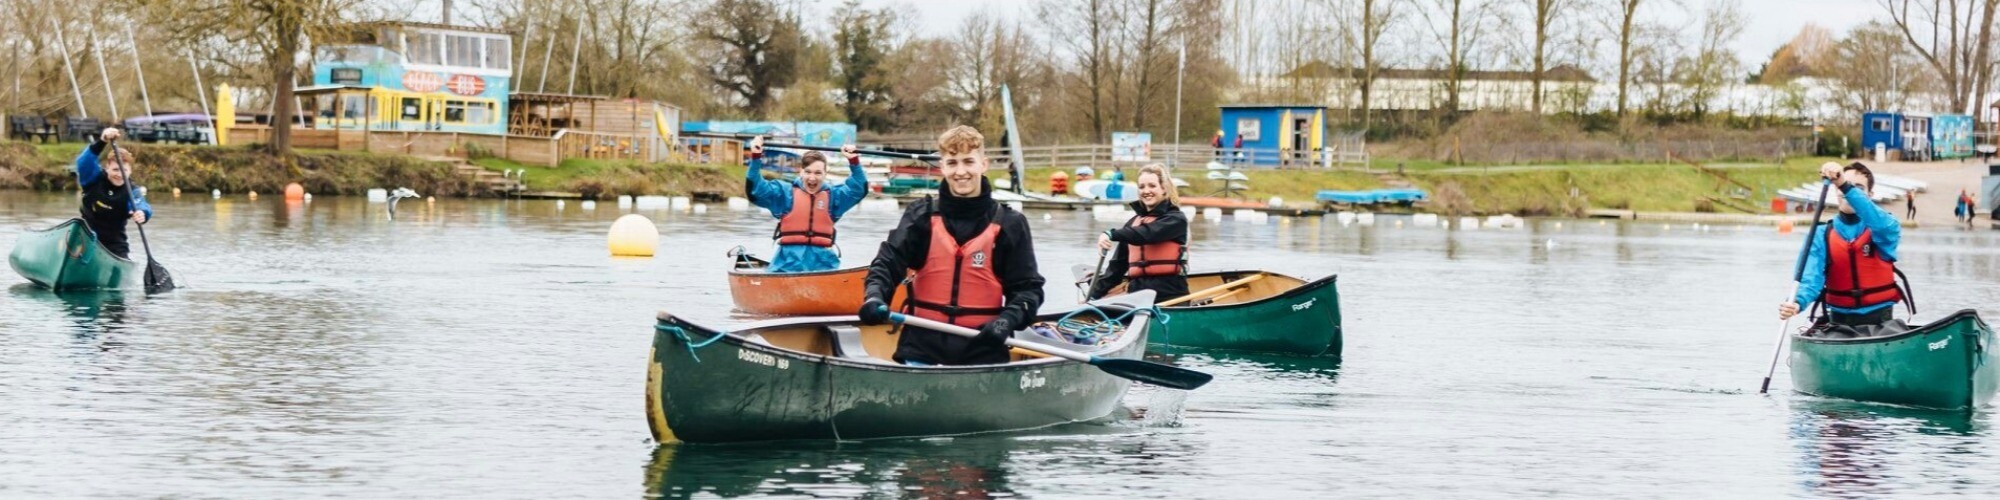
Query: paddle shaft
[[1798, 274], [131, 194], [863, 152], [969, 333], [1212, 290]]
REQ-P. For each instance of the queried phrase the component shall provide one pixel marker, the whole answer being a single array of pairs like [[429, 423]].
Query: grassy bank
[[241, 169], [234, 170], [1564, 189], [610, 178]]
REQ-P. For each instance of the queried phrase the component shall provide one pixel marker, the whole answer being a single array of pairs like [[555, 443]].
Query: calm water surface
[[492, 349]]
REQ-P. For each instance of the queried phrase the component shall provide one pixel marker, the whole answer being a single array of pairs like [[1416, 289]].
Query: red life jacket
[[957, 284], [810, 222], [1856, 274], [1166, 258]]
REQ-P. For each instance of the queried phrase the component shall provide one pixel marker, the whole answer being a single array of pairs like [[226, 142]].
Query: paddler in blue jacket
[[806, 208], [1851, 265], [107, 201]]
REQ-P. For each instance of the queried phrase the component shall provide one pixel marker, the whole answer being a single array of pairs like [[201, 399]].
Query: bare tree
[[1714, 65], [1879, 69], [1086, 32], [1546, 13], [1369, 26], [276, 28], [1959, 47], [1458, 26]]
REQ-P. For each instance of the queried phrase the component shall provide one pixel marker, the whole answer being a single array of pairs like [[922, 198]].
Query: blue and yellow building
[[411, 77]]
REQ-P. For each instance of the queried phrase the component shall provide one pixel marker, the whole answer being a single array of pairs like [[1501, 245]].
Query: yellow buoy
[[177, 192], [253, 195], [634, 235]]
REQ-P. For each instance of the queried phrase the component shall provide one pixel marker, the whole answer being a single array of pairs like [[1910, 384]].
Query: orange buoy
[[1785, 226], [294, 192], [1059, 183]]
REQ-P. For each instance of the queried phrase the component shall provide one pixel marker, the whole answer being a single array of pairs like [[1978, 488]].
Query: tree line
[[1077, 69]]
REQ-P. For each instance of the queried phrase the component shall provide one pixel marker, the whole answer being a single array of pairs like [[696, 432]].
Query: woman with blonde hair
[[1150, 251]]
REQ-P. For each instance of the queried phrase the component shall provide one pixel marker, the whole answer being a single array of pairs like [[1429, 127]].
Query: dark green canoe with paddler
[[832, 378]]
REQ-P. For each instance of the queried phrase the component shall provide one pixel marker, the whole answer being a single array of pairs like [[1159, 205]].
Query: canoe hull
[[822, 293], [68, 257], [1948, 364], [741, 390], [1301, 321]]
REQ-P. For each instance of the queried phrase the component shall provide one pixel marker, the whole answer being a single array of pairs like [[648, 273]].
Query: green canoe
[[831, 378], [1948, 364], [68, 257], [1271, 313]]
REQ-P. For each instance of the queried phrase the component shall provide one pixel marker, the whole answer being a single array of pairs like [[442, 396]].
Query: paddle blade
[[1168, 376], [157, 278]]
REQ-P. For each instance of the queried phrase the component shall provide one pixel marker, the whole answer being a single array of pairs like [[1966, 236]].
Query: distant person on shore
[[1114, 188], [1217, 144], [1967, 207], [806, 208], [1150, 252], [1910, 201], [107, 201], [970, 262], [1239, 147], [1851, 267]]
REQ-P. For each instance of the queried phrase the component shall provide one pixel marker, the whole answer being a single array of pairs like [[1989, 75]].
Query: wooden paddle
[[1798, 274], [157, 278], [1131, 369], [1212, 290]]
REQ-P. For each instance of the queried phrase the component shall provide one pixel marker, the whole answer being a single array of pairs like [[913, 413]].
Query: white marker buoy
[[559, 205], [650, 202], [634, 235], [588, 205], [701, 208], [217, 194], [377, 195], [737, 203], [1365, 218], [1468, 223], [678, 203], [624, 201]]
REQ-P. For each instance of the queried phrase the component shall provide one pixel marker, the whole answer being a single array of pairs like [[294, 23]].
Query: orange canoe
[[822, 293]]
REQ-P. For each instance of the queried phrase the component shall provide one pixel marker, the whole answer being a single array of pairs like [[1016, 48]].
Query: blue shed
[[1907, 136], [1273, 135]]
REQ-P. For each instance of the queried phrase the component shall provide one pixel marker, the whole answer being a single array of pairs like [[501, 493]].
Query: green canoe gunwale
[[742, 390], [1975, 366], [1332, 347], [124, 272]]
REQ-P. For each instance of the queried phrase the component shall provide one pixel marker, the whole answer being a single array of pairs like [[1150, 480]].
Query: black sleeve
[[910, 238], [1169, 227], [1020, 281], [1112, 274], [97, 146]]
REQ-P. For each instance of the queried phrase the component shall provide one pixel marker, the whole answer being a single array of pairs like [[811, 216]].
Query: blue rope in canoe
[[690, 343], [1092, 333]]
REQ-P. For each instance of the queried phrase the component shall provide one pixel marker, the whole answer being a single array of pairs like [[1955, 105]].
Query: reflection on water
[[482, 348], [97, 317], [1858, 450]]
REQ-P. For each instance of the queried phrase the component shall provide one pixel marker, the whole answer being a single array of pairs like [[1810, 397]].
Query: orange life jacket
[[957, 284], [810, 222], [1856, 274], [1166, 258]]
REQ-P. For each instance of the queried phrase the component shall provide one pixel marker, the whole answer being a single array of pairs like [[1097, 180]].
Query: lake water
[[481, 348]]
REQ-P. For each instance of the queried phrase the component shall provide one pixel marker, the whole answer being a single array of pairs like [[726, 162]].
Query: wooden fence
[[529, 150], [1192, 156]]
